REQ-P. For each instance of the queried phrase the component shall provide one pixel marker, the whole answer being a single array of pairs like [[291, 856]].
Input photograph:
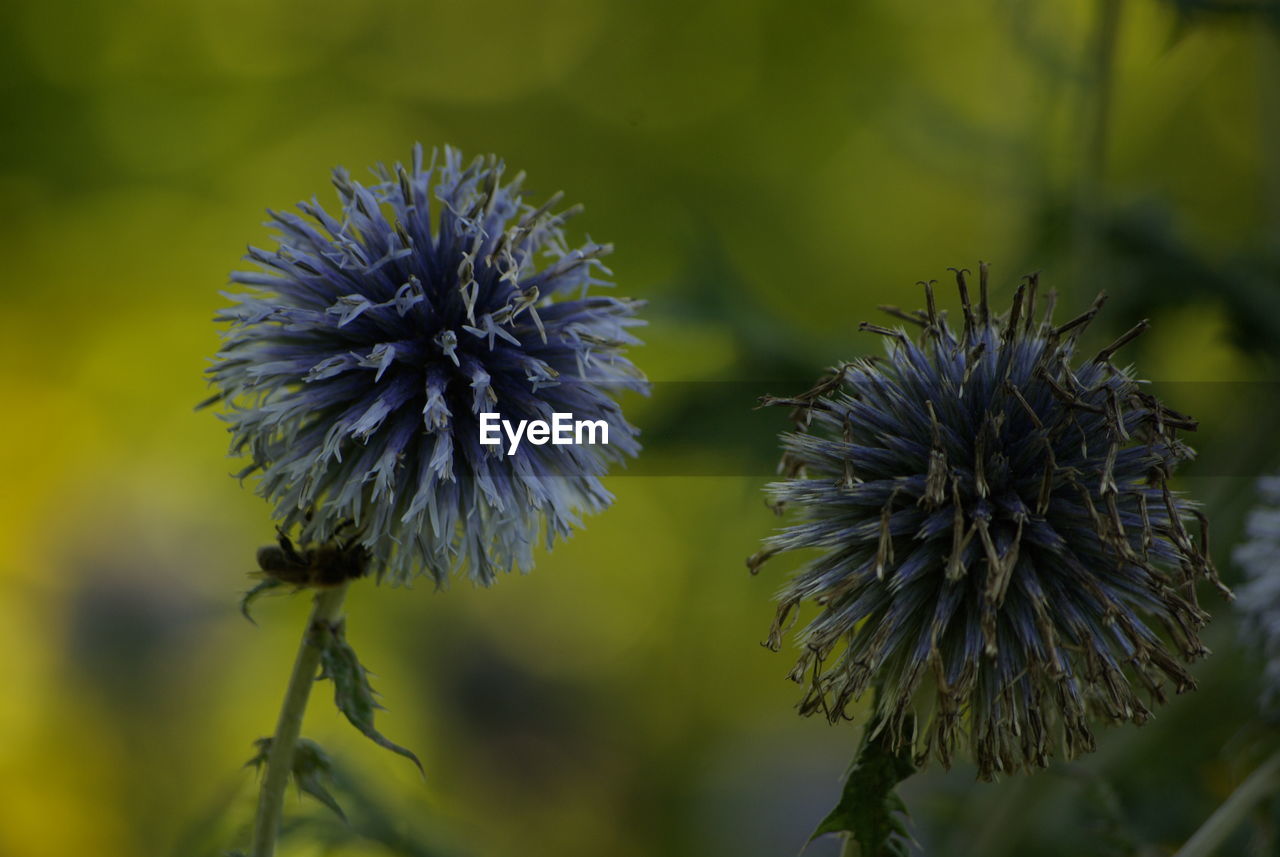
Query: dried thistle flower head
[[355, 372], [1259, 597], [1000, 555]]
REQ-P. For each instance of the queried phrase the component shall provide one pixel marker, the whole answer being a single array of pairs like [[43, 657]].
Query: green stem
[[850, 847], [266, 824], [1260, 784], [1090, 201], [1268, 64]]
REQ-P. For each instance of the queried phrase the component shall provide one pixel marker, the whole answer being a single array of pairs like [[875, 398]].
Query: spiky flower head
[[1259, 597], [999, 555], [355, 371]]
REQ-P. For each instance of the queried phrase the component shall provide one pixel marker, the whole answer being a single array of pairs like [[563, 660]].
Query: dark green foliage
[[870, 810], [1153, 265]]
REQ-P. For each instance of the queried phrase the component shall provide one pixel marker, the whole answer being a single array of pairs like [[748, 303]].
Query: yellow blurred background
[[769, 173]]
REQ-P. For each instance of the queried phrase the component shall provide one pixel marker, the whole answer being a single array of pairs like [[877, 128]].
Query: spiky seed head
[[999, 554], [1259, 597], [355, 370]]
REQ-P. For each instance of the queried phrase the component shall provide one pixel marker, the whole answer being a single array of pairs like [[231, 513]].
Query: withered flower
[[1000, 555]]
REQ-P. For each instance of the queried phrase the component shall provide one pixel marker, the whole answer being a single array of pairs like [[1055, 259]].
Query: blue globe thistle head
[[1259, 597], [996, 549], [356, 366]]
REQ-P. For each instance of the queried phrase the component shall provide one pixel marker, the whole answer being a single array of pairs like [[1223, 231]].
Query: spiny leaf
[[260, 758], [869, 810], [310, 768], [351, 690], [252, 595], [373, 821]]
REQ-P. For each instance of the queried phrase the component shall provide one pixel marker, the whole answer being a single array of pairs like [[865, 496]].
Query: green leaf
[[374, 821], [869, 810], [351, 690], [310, 769]]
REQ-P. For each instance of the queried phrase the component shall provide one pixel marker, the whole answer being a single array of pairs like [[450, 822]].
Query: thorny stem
[[1260, 784], [266, 824]]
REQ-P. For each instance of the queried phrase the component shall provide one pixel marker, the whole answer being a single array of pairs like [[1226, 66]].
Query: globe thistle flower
[[355, 370], [999, 555], [1259, 598]]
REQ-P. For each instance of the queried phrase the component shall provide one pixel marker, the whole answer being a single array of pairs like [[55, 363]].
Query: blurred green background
[[769, 172]]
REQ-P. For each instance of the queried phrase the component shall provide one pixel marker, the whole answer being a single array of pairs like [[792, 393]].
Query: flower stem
[[266, 824], [1095, 128], [1260, 784], [850, 847]]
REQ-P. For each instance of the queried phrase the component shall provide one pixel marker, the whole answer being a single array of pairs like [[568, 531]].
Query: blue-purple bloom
[[998, 553], [1259, 597], [355, 370]]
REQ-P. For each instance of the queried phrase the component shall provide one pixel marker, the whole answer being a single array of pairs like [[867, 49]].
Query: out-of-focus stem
[[1262, 783], [266, 825], [1090, 197], [1268, 63]]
